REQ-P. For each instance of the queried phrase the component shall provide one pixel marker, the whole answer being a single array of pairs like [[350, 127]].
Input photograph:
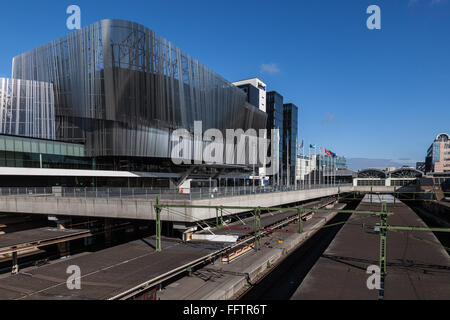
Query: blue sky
[[361, 93]]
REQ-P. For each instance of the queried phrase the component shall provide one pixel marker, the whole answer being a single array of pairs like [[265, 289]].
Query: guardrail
[[152, 193]]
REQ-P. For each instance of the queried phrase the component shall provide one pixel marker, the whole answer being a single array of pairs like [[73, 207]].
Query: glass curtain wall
[[27, 108]]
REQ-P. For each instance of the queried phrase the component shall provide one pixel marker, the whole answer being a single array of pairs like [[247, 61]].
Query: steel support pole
[[217, 217], [15, 265], [371, 188], [257, 228], [383, 256], [300, 222], [158, 225]]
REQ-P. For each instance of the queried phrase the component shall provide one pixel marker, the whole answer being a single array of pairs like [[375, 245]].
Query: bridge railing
[[152, 193]]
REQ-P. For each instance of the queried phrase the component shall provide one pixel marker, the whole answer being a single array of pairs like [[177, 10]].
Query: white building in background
[[304, 165], [260, 86], [256, 95]]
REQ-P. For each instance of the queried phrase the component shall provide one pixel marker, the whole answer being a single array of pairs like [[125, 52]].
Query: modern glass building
[[275, 121], [438, 154], [120, 89], [27, 108], [290, 132], [252, 93], [339, 163]]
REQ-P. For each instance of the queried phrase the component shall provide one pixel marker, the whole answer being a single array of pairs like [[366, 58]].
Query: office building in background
[[290, 141], [275, 121], [438, 154]]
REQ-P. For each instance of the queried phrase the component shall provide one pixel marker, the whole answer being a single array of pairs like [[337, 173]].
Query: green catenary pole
[[257, 228], [217, 217], [383, 224], [300, 222], [158, 225]]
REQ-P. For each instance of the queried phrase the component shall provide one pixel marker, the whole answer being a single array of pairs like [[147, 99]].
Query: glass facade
[[290, 132], [121, 89], [436, 152], [27, 108], [328, 161], [34, 153], [252, 94], [371, 182], [274, 109]]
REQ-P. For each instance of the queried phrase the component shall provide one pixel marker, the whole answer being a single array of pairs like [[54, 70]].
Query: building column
[[15, 264], [63, 247]]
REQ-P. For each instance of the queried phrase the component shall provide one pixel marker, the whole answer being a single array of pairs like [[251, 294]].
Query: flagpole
[[301, 170], [328, 168], [320, 166], [315, 165], [332, 171], [309, 166], [332, 166], [304, 167], [316, 160], [335, 171]]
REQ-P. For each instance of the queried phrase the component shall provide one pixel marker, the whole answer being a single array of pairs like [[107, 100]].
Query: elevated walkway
[[107, 206]]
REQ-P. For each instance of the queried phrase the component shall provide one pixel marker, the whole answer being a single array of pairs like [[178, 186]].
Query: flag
[[312, 146], [328, 152], [300, 147]]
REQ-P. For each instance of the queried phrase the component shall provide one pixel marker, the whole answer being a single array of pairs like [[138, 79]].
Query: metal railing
[[152, 193]]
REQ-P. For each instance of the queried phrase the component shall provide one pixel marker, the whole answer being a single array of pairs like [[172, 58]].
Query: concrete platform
[[418, 267], [33, 238], [104, 274]]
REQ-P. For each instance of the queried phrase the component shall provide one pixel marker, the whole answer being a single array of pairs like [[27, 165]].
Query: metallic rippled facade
[[27, 108], [121, 89]]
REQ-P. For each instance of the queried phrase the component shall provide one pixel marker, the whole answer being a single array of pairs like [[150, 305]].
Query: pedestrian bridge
[[107, 204]]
